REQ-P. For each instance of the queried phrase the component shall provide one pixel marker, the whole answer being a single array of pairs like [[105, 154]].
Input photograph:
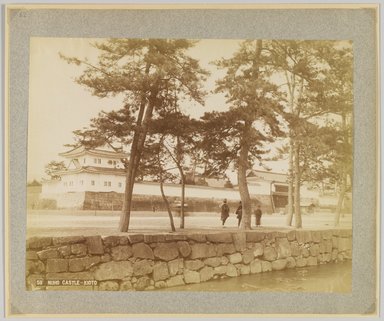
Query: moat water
[[331, 278]]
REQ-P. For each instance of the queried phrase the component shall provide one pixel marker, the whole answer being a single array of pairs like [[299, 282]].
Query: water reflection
[[332, 277]]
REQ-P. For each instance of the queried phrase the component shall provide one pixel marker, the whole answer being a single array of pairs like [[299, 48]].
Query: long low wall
[[150, 262], [114, 201]]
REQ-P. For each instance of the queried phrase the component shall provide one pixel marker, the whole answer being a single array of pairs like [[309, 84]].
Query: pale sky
[[58, 105]]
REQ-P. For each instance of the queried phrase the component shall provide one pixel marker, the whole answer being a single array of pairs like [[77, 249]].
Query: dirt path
[[62, 223]]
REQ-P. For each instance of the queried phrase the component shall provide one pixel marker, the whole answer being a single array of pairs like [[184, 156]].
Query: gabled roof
[[74, 152], [74, 164], [102, 151], [94, 170], [256, 175]]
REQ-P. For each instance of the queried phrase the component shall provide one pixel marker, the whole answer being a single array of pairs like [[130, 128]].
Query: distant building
[[94, 170], [95, 179], [198, 179], [276, 185], [269, 183]]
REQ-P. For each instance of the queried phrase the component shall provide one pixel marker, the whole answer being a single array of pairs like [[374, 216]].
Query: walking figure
[[224, 211], [239, 214], [258, 214]]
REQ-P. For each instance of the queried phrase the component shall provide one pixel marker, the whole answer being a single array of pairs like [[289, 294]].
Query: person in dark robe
[[239, 214], [258, 214], [224, 211]]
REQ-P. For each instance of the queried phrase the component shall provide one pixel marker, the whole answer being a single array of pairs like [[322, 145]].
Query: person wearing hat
[[239, 214], [224, 211]]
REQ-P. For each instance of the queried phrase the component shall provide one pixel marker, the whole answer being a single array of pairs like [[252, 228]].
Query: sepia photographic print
[[183, 161]]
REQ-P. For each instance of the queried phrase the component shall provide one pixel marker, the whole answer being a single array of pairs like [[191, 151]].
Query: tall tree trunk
[[126, 213], [292, 192], [244, 151], [242, 180], [130, 176], [298, 222], [179, 161], [291, 83], [132, 167], [134, 160], [290, 184], [166, 201], [182, 210]]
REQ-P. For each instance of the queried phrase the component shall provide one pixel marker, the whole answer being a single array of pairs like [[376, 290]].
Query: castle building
[[95, 179], [95, 170]]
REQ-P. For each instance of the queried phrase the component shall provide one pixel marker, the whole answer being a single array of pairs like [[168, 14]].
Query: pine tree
[[151, 74], [177, 135], [52, 169], [239, 136], [307, 68]]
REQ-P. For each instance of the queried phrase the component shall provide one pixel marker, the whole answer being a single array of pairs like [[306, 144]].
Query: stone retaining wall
[[149, 262]]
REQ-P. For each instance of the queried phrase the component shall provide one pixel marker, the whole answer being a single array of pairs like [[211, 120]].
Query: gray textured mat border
[[308, 24]]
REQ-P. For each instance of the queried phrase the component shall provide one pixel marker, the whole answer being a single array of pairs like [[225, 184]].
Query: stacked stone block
[[148, 262]]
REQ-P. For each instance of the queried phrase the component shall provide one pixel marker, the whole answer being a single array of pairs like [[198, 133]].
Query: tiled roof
[[95, 170], [265, 175], [81, 150]]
